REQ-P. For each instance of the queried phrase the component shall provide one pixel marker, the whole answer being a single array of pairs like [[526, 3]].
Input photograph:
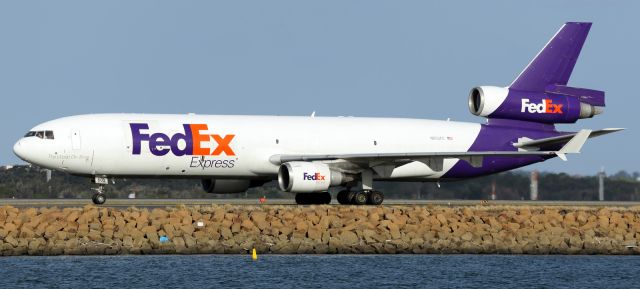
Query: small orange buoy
[[254, 255]]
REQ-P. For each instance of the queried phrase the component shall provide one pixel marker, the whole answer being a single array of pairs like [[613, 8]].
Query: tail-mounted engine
[[540, 92], [557, 104]]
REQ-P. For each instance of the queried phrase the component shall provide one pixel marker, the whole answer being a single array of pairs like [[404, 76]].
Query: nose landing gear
[[99, 197]]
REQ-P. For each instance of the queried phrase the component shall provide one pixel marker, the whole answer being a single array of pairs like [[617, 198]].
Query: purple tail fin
[[540, 93], [554, 63]]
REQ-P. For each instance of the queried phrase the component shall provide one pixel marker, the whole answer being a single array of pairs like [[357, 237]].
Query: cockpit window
[[48, 134], [43, 134]]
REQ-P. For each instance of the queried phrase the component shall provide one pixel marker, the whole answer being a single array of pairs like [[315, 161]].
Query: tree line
[[31, 182]]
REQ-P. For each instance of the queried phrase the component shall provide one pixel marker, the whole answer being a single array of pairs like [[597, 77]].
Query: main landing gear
[[364, 197], [323, 198], [345, 197], [367, 196]]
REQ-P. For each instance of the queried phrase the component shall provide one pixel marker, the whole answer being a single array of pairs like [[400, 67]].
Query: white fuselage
[[103, 144]]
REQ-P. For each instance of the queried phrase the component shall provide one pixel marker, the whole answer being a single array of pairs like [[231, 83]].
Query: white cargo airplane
[[307, 155]]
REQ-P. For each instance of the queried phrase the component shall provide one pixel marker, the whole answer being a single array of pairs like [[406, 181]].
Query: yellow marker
[[254, 255]]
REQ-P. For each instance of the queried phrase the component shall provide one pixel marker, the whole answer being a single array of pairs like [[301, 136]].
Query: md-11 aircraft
[[308, 155]]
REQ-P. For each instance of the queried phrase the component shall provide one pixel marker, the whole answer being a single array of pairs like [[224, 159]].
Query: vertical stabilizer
[[554, 63]]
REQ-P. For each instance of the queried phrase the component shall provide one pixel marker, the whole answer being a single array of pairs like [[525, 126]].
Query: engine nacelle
[[558, 104], [307, 177], [213, 186]]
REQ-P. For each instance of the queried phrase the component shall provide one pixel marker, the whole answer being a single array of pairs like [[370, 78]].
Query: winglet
[[574, 145]]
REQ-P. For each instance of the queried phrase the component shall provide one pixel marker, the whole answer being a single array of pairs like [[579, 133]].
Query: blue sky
[[413, 59]]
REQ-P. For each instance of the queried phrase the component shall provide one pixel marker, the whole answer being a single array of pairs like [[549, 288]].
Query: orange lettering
[[198, 139], [223, 145], [548, 106], [558, 108]]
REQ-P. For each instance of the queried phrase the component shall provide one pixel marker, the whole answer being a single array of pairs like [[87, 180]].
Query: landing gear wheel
[[326, 198], [302, 199], [313, 198], [99, 198], [343, 197], [350, 195], [360, 198], [375, 198]]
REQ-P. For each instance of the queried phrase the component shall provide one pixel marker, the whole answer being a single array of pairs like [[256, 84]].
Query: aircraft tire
[[375, 198], [99, 199], [301, 198], [313, 198], [360, 198], [350, 196], [326, 198], [343, 197]]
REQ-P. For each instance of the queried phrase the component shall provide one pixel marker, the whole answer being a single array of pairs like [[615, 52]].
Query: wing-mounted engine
[[307, 177]]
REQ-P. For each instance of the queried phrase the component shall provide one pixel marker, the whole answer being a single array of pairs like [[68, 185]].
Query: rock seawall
[[319, 229]]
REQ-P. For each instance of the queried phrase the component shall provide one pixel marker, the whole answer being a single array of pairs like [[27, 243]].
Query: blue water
[[321, 271]]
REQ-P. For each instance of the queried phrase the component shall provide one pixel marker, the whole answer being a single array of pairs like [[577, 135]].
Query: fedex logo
[[545, 107], [313, 177], [161, 144]]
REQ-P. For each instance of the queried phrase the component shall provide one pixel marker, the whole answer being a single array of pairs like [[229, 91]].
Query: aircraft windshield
[[43, 134]]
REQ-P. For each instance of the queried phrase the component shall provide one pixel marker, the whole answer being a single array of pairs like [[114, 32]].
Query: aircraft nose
[[18, 149]]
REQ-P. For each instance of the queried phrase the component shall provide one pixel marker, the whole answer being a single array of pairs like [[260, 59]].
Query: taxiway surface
[[161, 203]]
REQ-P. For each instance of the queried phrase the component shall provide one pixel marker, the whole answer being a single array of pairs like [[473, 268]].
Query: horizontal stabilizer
[[540, 144]]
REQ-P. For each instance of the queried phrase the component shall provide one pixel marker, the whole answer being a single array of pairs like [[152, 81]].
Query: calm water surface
[[321, 271]]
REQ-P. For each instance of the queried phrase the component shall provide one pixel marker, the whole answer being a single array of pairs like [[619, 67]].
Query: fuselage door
[[75, 139]]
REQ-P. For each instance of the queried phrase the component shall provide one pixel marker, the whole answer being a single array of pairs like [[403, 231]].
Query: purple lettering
[[159, 139], [187, 137], [138, 137]]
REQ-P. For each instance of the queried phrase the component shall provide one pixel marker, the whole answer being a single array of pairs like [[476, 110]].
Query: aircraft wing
[[435, 159]]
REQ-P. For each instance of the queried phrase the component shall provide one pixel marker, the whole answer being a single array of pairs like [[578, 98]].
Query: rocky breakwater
[[319, 229]]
